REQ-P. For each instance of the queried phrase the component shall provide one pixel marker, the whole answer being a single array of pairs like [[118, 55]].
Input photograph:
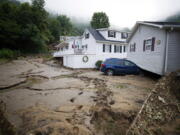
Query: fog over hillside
[[121, 13]]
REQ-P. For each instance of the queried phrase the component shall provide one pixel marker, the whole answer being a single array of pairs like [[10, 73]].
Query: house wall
[[91, 42], [76, 61], [152, 61], [173, 62], [117, 38], [104, 55]]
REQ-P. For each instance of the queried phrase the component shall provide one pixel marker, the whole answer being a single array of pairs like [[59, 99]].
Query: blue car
[[115, 66]]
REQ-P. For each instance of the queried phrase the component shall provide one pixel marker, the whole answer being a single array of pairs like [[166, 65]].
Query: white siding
[[112, 54], [173, 58], [91, 42], [152, 61]]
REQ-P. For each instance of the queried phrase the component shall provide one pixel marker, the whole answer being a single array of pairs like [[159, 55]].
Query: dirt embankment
[[160, 114]]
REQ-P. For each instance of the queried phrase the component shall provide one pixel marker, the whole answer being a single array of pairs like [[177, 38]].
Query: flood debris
[[55, 100], [160, 113]]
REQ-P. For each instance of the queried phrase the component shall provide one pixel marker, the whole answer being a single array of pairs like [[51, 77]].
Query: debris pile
[[160, 113]]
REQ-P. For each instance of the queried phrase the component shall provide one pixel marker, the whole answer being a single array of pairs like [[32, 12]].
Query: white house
[[93, 45], [155, 46]]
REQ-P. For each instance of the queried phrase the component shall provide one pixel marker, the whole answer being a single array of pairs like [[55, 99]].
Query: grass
[[4, 60], [9, 54]]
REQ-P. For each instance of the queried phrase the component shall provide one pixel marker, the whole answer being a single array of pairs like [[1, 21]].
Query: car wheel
[[110, 72]]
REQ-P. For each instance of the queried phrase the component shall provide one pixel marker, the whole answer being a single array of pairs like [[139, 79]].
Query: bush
[[9, 54], [98, 64]]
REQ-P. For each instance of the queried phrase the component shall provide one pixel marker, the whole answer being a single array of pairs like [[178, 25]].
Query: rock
[[161, 99]]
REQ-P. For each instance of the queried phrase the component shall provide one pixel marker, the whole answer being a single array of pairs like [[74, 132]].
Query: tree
[[65, 25], [54, 28], [174, 18], [100, 20]]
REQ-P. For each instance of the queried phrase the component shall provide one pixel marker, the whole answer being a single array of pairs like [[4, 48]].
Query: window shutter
[[115, 48], [134, 47], [108, 33], [153, 43], [144, 45], [110, 48], [120, 49], [103, 47], [114, 34]]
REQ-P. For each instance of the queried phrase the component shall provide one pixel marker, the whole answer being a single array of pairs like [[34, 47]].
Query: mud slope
[[160, 114]]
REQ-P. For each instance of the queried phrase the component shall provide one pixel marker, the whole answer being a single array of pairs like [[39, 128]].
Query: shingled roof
[[98, 37]]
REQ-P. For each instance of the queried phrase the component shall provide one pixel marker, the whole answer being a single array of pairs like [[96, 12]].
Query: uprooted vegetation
[[160, 114]]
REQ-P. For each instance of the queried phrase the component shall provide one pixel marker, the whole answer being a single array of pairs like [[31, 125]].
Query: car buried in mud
[[115, 66]]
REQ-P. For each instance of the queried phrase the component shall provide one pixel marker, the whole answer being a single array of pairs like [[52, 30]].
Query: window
[[67, 47], [86, 35], [111, 34], [149, 44], [106, 48], [124, 49], [85, 47], [118, 49], [124, 35], [120, 63], [132, 47], [127, 63]]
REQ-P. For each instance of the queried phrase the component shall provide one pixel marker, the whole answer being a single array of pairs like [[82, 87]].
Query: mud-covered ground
[[44, 98]]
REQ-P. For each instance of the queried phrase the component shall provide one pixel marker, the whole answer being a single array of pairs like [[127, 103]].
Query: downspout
[[166, 53]]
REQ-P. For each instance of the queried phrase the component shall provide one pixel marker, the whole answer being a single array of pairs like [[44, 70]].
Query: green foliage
[[100, 20], [54, 28], [23, 26], [8, 54], [29, 27], [98, 64], [174, 18], [65, 25]]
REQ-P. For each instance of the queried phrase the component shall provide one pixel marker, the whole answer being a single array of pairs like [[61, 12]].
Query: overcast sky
[[122, 13]]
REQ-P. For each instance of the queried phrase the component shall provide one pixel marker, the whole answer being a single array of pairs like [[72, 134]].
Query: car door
[[130, 67], [119, 67]]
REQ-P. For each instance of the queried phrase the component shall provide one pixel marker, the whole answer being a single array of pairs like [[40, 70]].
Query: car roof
[[118, 59], [114, 59]]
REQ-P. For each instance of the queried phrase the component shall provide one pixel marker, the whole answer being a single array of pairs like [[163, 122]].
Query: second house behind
[[93, 45]]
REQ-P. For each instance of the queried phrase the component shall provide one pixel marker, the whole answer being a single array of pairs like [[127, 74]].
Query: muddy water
[[55, 100]]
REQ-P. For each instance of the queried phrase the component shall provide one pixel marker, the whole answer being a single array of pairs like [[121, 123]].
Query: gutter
[[166, 53], [99, 41]]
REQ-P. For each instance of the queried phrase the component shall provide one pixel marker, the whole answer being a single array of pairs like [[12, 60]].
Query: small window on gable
[[124, 35], [111, 33], [86, 35], [149, 44], [132, 47]]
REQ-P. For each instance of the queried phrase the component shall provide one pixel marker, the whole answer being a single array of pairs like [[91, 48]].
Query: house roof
[[111, 29], [61, 45], [99, 38], [161, 25]]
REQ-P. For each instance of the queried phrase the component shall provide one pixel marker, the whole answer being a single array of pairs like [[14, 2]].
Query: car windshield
[[127, 63]]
